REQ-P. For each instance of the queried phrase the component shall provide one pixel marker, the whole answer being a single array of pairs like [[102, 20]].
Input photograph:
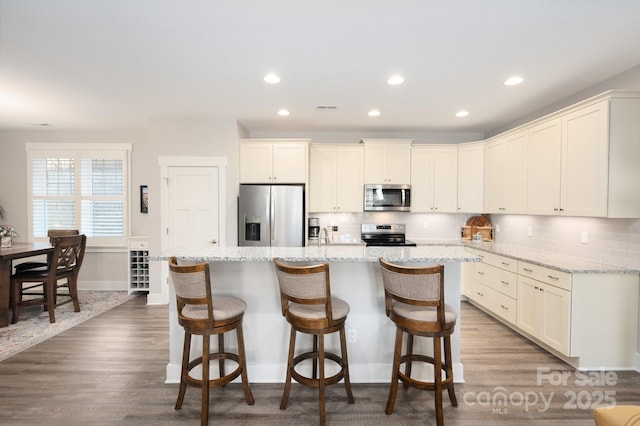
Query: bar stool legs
[[318, 379], [438, 385], [205, 384]]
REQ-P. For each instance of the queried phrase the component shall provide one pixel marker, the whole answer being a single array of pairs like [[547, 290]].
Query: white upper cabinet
[[585, 164], [543, 182], [434, 176], [582, 160], [470, 177], [505, 174], [271, 161], [336, 178], [387, 161]]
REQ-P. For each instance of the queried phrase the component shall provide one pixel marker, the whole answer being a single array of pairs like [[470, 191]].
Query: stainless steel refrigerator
[[271, 215]]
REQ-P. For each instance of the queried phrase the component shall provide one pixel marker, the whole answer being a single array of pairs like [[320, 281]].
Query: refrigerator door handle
[[272, 216]]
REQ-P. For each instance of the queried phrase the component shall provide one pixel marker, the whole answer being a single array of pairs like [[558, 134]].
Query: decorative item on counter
[[478, 228], [7, 232]]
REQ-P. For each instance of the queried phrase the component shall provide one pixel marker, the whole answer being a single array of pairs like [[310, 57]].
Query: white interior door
[[192, 211], [193, 206]]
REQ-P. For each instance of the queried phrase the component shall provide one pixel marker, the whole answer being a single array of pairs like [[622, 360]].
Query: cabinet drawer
[[504, 306], [505, 282], [546, 275], [498, 261], [496, 302], [497, 279], [138, 245]]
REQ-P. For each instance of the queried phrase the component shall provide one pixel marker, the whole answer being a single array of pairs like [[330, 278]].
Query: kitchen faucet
[[322, 231]]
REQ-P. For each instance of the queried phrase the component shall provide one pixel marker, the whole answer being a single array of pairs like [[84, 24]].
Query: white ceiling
[[121, 63]]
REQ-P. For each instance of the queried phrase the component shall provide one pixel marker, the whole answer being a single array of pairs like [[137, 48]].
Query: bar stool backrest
[[305, 285], [418, 286], [192, 285]]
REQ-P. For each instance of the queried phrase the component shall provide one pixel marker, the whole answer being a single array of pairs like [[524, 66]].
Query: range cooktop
[[385, 235]]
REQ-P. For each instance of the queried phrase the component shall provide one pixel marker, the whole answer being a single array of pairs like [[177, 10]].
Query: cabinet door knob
[[214, 241]]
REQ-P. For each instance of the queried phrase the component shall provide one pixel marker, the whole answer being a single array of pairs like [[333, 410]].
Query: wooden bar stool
[[414, 301], [307, 304], [202, 314]]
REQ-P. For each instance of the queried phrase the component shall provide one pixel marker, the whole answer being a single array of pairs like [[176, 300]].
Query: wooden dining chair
[[51, 233], [62, 269]]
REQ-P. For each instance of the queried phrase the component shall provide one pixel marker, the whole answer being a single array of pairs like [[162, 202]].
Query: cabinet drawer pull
[[553, 278], [505, 263], [479, 294], [505, 283], [506, 308], [480, 272], [481, 256], [527, 270]]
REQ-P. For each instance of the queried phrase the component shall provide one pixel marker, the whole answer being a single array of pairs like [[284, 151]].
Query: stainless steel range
[[385, 235]]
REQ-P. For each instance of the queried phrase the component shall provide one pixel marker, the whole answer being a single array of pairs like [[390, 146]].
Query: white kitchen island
[[248, 272]]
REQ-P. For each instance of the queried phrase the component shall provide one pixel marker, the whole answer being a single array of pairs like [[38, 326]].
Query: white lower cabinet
[[587, 319], [544, 312]]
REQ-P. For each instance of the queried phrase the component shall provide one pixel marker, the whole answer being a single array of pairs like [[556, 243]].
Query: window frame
[[78, 152]]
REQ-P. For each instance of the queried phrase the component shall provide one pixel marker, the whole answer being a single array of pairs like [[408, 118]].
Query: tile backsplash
[[611, 241]]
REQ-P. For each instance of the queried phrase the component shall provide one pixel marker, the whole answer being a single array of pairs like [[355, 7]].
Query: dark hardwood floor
[[110, 370]]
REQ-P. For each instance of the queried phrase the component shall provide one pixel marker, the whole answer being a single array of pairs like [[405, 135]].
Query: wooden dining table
[[7, 255]]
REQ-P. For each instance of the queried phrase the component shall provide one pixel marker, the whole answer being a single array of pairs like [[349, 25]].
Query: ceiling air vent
[[326, 107]]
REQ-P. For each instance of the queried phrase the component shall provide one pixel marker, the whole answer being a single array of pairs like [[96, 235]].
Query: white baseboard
[[156, 299], [103, 285]]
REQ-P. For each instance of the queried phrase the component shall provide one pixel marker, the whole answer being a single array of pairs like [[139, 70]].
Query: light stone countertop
[[427, 251], [555, 261], [325, 253]]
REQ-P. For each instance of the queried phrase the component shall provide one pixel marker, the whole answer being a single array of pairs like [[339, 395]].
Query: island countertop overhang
[[329, 253]]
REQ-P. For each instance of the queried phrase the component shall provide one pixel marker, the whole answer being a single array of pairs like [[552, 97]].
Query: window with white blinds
[[81, 188]]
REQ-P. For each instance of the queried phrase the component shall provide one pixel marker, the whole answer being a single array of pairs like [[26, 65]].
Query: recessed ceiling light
[[513, 81], [462, 113], [283, 112], [394, 80], [374, 113], [272, 79]]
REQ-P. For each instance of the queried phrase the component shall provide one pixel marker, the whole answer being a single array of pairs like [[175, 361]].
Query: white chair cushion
[[224, 307], [339, 309], [424, 313]]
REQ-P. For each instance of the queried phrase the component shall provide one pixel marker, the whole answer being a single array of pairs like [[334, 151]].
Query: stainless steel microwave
[[387, 198]]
